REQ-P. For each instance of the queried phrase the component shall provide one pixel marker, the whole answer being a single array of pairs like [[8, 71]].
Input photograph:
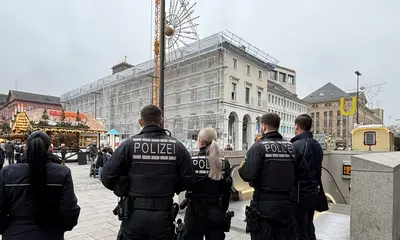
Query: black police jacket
[[309, 163], [157, 165], [269, 166], [50, 156], [16, 203], [205, 187]]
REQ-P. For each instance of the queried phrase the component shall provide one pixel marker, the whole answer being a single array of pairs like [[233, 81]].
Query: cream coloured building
[[220, 81], [324, 107]]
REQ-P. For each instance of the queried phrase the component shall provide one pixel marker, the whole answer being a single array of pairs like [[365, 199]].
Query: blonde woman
[[208, 200]]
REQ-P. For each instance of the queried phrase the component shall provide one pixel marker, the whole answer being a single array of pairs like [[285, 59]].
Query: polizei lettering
[[274, 147], [156, 148], [201, 163]]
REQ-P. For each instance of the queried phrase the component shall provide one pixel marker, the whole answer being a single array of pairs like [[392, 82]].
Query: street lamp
[[358, 88]]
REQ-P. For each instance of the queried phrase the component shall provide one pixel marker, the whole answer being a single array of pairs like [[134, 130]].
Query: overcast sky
[[52, 46]]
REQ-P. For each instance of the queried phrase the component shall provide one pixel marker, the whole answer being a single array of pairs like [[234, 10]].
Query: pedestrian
[[209, 197], [17, 152], [2, 157], [9, 147], [157, 166], [100, 164], [309, 155], [93, 152], [269, 167], [63, 153], [106, 156], [37, 199]]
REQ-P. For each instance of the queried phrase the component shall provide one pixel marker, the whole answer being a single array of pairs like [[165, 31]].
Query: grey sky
[[52, 47]]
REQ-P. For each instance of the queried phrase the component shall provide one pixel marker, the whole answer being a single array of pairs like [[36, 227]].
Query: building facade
[[28, 101], [324, 107], [286, 104], [220, 81]]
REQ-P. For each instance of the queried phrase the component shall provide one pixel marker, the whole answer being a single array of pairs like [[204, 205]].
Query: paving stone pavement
[[96, 220]]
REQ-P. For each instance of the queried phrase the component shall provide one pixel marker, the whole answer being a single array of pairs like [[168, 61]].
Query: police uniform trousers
[[276, 221], [210, 226], [148, 225]]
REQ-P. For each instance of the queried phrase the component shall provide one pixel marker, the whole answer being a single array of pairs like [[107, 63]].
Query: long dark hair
[[37, 152]]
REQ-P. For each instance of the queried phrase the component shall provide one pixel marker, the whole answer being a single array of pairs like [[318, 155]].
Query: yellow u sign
[[353, 107]]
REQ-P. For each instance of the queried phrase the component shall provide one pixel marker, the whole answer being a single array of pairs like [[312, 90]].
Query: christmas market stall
[[74, 129]]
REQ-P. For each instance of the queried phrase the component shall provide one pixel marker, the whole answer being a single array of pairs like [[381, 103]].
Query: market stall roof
[[69, 124], [113, 132]]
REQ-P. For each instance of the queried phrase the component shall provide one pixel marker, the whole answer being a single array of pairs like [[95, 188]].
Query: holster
[[174, 211], [228, 220], [252, 220], [223, 202], [124, 208]]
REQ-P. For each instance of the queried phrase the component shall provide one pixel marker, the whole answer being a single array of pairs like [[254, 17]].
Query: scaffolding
[[194, 89]]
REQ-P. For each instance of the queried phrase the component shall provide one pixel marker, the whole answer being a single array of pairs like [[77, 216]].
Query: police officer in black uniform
[[208, 200], [269, 166], [158, 166]]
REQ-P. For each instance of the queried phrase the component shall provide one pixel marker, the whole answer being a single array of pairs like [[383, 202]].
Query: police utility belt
[[273, 196], [151, 204]]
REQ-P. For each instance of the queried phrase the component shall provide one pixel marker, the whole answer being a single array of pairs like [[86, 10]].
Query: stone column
[[375, 196], [252, 133], [238, 135]]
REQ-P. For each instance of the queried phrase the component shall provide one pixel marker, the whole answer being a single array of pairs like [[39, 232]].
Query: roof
[[275, 87], [326, 93], [36, 115], [122, 64], [113, 132], [3, 99], [33, 97]]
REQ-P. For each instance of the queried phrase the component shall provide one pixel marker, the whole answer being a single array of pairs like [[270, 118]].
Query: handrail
[[335, 184]]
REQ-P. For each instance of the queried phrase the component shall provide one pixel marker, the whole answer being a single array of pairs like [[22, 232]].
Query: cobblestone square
[[96, 220]]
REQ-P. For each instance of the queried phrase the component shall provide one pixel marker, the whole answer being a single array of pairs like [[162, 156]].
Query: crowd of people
[[37, 198]]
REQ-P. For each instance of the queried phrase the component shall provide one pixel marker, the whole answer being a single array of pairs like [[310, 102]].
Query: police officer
[[270, 168], [209, 198], [157, 166]]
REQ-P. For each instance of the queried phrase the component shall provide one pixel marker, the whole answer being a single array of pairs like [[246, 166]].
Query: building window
[[282, 77], [259, 99], [248, 69], [178, 98], [369, 138], [234, 89], [325, 122], [330, 122], [317, 123], [194, 67], [273, 75], [178, 122], [235, 63], [210, 62], [338, 123], [269, 97], [211, 92], [290, 79], [273, 99], [193, 96], [247, 96], [260, 73]]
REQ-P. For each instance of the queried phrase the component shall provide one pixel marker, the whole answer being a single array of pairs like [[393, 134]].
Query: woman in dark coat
[[37, 199]]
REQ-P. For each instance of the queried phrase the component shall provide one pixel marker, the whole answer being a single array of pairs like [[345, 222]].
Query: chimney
[[120, 67]]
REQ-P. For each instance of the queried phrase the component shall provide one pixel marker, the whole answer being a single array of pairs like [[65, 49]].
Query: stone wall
[[375, 197]]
